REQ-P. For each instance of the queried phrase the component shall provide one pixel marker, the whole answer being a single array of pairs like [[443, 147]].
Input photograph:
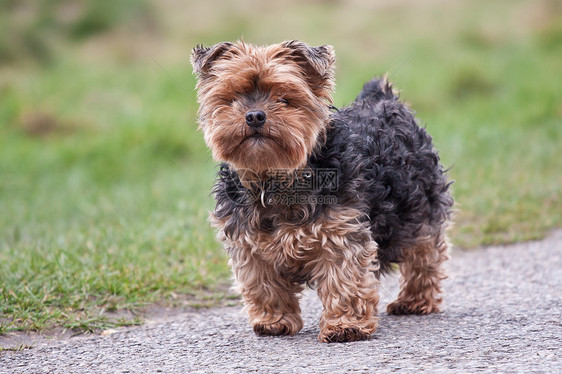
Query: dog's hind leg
[[421, 270]]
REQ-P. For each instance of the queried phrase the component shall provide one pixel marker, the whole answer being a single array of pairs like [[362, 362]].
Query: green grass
[[107, 211], [104, 180]]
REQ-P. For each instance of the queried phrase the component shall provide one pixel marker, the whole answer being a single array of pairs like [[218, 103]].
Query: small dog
[[308, 194]]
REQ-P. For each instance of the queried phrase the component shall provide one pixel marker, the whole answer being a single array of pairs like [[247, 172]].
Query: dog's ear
[[202, 58], [317, 64]]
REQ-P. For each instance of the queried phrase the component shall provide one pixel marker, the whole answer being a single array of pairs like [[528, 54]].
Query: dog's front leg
[[347, 285], [270, 300], [349, 295]]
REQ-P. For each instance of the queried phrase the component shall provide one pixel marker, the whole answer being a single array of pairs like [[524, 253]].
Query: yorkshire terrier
[[309, 194]]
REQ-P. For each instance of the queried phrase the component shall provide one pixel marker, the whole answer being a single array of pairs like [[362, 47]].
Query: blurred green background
[[105, 179]]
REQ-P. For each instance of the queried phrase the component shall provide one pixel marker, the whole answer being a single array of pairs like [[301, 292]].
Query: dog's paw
[[274, 329], [342, 335], [400, 308], [288, 324]]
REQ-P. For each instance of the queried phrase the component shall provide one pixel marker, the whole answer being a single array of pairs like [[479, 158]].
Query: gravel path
[[503, 313]]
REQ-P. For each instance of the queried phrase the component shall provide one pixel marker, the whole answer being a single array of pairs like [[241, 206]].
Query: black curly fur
[[387, 167]]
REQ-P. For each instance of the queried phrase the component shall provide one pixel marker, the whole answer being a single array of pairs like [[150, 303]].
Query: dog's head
[[264, 108]]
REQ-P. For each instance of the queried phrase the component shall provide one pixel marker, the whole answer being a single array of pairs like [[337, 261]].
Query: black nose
[[255, 118]]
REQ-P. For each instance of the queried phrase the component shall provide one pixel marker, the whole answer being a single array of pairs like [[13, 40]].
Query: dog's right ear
[[202, 58]]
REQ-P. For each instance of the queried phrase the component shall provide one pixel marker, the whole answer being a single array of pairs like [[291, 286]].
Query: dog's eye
[[283, 101]]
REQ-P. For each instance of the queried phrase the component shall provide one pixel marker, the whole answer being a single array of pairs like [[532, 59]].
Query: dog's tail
[[377, 89]]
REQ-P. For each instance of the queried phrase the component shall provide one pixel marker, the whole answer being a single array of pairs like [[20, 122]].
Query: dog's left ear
[[317, 64], [202, 58]]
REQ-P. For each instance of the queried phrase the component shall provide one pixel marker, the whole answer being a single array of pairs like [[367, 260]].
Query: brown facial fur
[[290, 82]]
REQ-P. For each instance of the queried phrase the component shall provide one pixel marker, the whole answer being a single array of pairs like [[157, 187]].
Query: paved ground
[[503, 313]]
